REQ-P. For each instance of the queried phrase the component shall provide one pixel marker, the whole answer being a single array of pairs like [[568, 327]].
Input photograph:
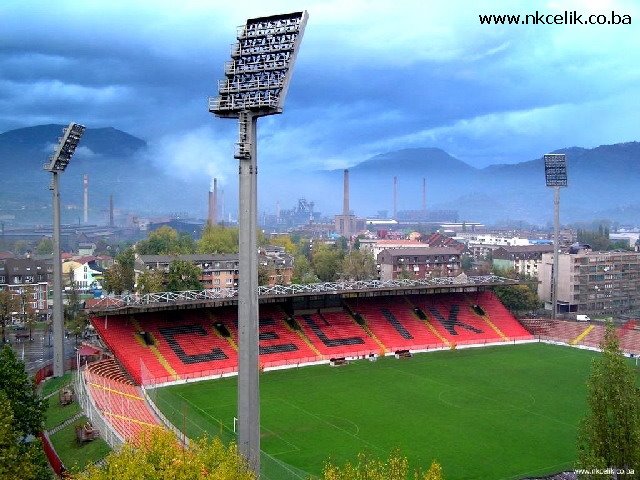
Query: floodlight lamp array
[[555, 170], [66, 147], [257, 77]]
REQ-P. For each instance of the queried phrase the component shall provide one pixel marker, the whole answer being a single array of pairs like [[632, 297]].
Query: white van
[[582, 318]]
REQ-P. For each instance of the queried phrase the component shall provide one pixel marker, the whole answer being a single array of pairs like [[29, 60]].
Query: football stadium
[[435, 369]]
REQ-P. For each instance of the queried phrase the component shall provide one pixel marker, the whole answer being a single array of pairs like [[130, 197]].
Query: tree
[[183, 276], [75, 318], [609, 434], [8, 304], [286, 242], [327, 262], [264, 272], [150, 281], [466, 262], [406, 274], [27, 312], [159, 452], [120, 277], [396, 467], [218, 239], [44, 247], [359, 265], [18, 460], [518, 298], [303, 271], [28, 408], [166, 241]]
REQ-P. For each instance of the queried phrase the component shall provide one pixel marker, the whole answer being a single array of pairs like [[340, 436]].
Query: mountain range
[[603, 182]]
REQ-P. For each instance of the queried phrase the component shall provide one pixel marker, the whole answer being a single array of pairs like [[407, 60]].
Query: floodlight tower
[[256, 83], [57, 164], [555, 172]]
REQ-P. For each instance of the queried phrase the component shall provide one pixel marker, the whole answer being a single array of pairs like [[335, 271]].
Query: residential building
[[86, 248], [523, 259], [378, 245], [221, 270], [439, 240], [592, 282], [26, 275], [278, 263], [419, 263], [218, 270], [85, 273]]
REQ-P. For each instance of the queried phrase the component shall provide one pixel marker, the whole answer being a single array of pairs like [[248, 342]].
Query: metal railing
[[119, 301]]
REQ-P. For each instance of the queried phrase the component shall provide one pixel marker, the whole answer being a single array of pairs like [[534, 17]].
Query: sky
[[371, 77]]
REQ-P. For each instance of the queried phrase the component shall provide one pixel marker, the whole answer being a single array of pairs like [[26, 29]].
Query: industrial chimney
[[85, 185], [213, 203], [345, 207]]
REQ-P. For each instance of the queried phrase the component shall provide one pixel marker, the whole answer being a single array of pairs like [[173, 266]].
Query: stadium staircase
[[123, 339], [335, 334], [395, 324], [457, 325], [183, 344], [118, 400]]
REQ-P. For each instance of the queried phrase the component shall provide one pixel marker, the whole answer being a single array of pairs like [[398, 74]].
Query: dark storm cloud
[[369, 78]]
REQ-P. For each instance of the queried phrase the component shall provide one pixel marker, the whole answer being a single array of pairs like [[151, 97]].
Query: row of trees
[[312, 262], [215, 239], [21, 418], [160, 453]]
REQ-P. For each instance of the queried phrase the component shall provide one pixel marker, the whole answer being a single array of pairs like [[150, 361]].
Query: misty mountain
[[603, 182], [430, 161], [114, 160]]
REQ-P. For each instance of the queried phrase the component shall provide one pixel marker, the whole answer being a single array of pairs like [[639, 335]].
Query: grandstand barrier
[[52, 456]]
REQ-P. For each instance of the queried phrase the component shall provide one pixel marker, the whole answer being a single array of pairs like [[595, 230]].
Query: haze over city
[[372, 77]]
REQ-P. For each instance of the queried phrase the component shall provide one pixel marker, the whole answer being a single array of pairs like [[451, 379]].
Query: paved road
[[37, 352]]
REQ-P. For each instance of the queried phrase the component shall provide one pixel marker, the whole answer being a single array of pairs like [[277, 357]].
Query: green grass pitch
[[484, 413]]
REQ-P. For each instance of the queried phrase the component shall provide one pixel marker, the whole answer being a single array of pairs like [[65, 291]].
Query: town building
[[26, 276], [601, 283], [220, 271], [419, 263], [375, 246], [522, 259]]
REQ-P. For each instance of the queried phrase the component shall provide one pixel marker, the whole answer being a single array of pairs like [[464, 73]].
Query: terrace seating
[[189, 343], [278, 344], [120, 335], [335, 334], [454, 320], [394, 323], [499, 315], [121, 404]]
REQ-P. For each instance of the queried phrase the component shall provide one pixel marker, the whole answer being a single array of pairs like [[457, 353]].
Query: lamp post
[[256, 83], [555, 172], [57, 164]]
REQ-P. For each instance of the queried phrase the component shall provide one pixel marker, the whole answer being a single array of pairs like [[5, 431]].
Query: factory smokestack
[[213, 203], [395, 197], [345, 207], [85, 185], [111, 210], [222, 204]]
